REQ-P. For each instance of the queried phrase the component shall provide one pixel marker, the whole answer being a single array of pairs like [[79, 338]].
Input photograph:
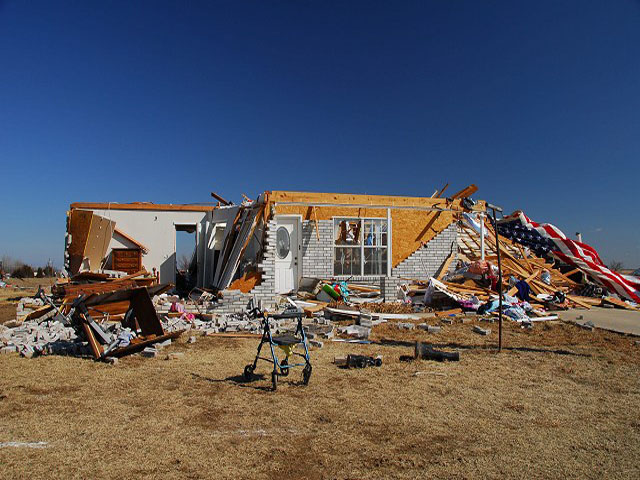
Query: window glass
[[347, 231], [360, 246], [375, 261], [375, 233], [347, 261], [283, 242]]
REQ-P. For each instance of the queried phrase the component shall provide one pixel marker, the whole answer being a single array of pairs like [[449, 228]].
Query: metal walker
[[286, 343]]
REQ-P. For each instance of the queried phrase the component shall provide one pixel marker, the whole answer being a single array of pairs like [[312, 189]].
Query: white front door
[[287, 254]]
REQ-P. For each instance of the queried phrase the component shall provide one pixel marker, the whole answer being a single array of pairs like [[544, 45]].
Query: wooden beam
[[142, 206], [131, 239], [445, 266], [314, 198], [439, 193], [465, 192], [578, 301], [220, 199], [315, 218], [514, 289]]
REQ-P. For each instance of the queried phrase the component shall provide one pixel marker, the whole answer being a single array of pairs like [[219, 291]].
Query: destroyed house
[[269, 246]]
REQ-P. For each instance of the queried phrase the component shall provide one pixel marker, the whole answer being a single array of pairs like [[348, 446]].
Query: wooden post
[[315, 218]]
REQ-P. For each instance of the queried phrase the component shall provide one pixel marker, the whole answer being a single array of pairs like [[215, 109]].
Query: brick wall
[[317, 262], [425, 262], [234, 301], [317, 255]]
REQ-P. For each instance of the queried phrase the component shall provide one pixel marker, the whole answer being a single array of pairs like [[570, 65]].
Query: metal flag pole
[[495, 229]]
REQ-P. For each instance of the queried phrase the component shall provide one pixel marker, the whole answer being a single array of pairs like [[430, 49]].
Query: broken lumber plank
[[315, 219], [220, 199], [439, 193], [465, 192], [131, 239], [37, 313], [577, 300], [445, 266], [618, 303], [524, 258], [514, 289]]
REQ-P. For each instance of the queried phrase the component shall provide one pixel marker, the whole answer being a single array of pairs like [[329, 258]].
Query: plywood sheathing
[[98, 239], [410, 228], [78, 228]]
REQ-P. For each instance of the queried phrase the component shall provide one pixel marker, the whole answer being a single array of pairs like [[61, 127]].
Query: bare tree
[[183, 262], [9, 263], [616, 266]]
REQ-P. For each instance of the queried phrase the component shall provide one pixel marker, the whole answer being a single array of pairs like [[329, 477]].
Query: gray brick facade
[[317, 262], [317, 255], [234, 301], [425, 262]]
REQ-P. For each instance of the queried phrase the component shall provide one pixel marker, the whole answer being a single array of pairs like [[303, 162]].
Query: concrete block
[[406, 326], [481, 331], [9, 349], [27, 351], [149, 352]]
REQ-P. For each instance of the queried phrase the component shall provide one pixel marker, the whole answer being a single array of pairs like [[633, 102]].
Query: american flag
[[544, 239]]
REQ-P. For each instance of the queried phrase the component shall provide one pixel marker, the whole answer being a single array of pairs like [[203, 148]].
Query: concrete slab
[[614, 319]]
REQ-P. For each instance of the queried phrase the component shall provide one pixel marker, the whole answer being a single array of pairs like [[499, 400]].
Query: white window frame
[[362, 245]]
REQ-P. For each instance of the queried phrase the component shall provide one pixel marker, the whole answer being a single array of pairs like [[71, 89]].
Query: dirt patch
[[17, 289], [7, 312]]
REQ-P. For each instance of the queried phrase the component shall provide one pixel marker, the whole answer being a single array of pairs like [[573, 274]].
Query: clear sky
[[538, 103]]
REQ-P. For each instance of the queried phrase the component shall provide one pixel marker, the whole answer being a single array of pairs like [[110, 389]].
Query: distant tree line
[[19, 269]]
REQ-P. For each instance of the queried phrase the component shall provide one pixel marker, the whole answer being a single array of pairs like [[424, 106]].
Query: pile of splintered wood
[[515, 261], [88, 283]]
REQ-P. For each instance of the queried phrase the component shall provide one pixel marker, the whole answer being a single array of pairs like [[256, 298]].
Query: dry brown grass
[[15, 290], [519, 414]]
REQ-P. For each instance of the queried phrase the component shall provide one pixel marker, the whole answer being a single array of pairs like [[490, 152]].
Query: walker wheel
[[284, 371], [248, 373], [274, 381], [306, 374]]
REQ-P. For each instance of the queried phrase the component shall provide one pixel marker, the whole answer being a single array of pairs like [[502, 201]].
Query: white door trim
[[298, 227]]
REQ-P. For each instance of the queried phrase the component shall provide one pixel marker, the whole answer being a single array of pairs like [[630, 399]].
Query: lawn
[[562, 402]]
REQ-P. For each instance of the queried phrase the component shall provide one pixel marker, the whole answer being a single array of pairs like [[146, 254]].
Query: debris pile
[[33, 338]]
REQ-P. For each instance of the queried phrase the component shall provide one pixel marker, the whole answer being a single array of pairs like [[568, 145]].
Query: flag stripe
[[550, 238]]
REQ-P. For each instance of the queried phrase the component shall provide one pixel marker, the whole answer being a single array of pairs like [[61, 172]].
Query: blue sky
[[538, 103]]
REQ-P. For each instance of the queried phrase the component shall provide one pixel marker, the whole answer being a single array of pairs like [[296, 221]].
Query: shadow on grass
[[491, 347], [239, 381]]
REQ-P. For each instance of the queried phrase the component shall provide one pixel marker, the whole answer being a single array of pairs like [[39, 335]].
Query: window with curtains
[[360, 246]]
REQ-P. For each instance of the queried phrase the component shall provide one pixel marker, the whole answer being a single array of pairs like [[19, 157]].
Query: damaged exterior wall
[[421, 239], [423, 232], [156, 229]]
